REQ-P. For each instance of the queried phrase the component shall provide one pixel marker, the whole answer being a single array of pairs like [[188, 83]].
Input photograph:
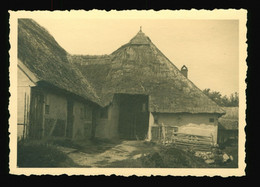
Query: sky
[[209, 48]]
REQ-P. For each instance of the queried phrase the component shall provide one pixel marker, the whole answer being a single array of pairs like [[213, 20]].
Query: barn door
[[133, 117], [36, 115]]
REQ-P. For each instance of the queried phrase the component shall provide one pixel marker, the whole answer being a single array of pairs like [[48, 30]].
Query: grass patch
[[41, 154]]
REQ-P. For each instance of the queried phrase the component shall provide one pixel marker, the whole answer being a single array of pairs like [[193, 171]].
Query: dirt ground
[[136, 154], [107, 154]]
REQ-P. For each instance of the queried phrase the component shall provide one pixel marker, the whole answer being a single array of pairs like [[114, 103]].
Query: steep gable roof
[[41, 54], [139, 67]]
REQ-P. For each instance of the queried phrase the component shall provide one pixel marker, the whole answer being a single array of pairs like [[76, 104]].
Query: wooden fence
[[168, 135]]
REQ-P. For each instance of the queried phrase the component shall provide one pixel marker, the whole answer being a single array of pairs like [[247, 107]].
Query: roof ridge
[[140, 39]]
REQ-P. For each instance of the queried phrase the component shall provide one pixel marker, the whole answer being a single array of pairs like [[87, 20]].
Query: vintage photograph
[[128, 92]]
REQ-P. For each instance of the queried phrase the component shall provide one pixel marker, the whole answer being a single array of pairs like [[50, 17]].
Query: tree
[[234, 99], [231, 101]]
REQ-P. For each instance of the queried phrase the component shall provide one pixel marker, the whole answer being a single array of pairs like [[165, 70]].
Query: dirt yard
[[120, 154], [107, 154]]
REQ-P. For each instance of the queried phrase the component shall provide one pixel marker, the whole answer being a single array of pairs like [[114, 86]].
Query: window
[[104, 113], [211, 120], [47, 109]]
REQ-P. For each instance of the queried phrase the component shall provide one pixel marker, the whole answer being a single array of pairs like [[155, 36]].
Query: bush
[[35, 154], [171, 157]]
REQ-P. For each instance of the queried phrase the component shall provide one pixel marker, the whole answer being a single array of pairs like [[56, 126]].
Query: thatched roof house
[[133, 89], [139, 67], [44, 57]]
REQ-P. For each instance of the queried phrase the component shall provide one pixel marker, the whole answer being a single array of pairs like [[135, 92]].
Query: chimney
[[184, 71]]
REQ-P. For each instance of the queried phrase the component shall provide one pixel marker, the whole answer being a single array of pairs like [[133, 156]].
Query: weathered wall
[[78, 121], [57, 106], [24, 84], [82, 116], [23, 93], [108, 128], [82, 120], [197, 124], [57, 114], [151, 123]]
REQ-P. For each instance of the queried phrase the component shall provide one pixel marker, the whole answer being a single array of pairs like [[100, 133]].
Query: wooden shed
[[228, 125]]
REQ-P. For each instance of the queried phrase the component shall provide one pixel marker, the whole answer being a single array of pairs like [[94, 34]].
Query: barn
[[54, 99], [144, 96], [134, 93]]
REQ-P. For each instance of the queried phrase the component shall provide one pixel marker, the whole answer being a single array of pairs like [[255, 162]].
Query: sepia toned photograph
[[128, 91]]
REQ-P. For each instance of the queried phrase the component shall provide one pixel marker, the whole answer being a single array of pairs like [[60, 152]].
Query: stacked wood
[[182, 140]]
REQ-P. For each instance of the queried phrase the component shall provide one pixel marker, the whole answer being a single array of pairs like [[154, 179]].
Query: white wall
[[57, 105], [197, 124], [81, 124], [108, 128], [57, 110]]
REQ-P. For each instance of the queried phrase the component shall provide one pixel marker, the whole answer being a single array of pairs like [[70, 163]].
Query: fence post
[[163, 133]]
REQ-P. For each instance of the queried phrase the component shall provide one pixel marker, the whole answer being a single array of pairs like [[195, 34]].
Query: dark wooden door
[[36, 114], [70, 118], [133, 117]]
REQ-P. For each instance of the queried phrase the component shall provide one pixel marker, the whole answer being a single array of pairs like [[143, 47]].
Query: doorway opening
[[133, 116]]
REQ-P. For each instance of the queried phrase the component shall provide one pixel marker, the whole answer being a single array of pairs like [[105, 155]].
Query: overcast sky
[[209, 48]]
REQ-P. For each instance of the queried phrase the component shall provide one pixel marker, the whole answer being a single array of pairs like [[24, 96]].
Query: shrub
[[35, 154], [171, 157]]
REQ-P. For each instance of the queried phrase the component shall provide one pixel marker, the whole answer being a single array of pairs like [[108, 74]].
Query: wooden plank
[[53, 127]]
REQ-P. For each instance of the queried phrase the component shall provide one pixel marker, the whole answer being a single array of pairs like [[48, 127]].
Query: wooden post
[[24, 115], [28, 115], [53, 126], [163, 133], [159, 133]]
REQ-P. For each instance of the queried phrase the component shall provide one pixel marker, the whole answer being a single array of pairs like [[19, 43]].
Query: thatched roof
[[43, 56], [139, 67], [229, 121]]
